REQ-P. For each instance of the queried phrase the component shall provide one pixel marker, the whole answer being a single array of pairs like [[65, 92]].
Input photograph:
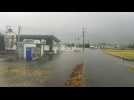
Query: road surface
[[62, 66], [101, 70], [105, 70]]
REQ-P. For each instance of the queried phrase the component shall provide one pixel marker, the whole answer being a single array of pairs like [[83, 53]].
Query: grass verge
[[123, 54]]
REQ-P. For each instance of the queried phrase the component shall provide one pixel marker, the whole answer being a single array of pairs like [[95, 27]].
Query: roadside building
[[39, 45], [34, 47]]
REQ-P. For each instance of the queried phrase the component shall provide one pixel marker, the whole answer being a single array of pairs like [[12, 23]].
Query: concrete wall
[[46, 47]]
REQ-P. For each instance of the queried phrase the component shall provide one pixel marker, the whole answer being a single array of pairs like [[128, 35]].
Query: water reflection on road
[[100, 69], [106, 70], [62, 67]]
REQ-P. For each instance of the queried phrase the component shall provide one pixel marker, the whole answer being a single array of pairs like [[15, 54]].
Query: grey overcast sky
[[101, 26]]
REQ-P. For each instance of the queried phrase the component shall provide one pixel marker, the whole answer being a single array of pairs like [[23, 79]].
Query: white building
[[10, 39], [56, 47], [39, 44], [35, 45]]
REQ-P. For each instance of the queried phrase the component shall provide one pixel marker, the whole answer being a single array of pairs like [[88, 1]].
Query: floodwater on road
[[62, 67], [101, 69], [106, 70], [59, 68]]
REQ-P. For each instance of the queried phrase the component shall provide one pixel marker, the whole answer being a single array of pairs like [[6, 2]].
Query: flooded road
[[62, 67], [105, 70], [58, 68], [101, 70]]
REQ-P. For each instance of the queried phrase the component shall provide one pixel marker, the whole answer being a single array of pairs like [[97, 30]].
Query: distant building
[[93, 45], [10, 39], [109, 45]]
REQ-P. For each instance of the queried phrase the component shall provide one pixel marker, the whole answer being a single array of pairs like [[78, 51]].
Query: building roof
[[22, 37]]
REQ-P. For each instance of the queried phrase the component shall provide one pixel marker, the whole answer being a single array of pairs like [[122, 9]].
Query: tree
[[133, 45], [87, 45], [129, 45], [2, 43], [102, 45]]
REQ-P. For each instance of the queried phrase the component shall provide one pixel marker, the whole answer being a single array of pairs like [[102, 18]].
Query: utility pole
[[18, 40], [88, 44], [19, 29], [83, 33], [78, 41]]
